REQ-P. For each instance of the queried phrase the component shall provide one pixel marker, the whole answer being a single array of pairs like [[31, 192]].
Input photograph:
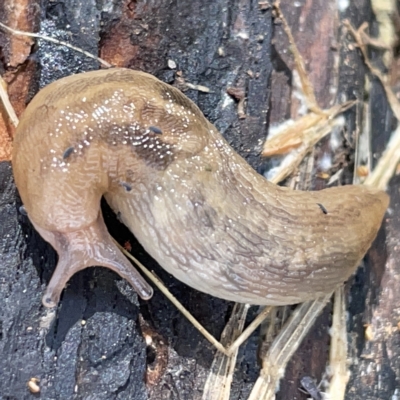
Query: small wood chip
[[33, 385]]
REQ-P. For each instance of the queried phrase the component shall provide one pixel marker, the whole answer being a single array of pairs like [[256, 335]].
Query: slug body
[[194, 204]]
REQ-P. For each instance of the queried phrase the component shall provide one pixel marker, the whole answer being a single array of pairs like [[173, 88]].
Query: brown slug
[[194, 204]]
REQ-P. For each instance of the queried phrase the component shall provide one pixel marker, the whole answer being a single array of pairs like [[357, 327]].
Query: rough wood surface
[[93, 347]]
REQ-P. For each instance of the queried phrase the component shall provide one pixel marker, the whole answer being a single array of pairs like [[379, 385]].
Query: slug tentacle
[[88, 247], [194, 204]]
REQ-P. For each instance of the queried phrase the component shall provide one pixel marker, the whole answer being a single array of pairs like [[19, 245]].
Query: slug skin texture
[[194, 204]]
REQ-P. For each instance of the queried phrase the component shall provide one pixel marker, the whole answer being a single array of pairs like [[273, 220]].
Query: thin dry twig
[[338, 349], [300, 137], [387, 164], [249, 330], [306, 84], [219, 380], [174, 301], [56, 41], [283, 347], [390, 158], [227, 351], [304, 131], [6, 102], [361, 37], [313, 136]]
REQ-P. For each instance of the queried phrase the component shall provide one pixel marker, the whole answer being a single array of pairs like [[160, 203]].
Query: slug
[[194, 204]]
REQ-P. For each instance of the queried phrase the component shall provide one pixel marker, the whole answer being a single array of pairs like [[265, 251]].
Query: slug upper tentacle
[[88, 247], [195, 205]]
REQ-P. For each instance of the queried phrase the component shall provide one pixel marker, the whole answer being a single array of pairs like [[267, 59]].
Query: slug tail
[[89, 247]]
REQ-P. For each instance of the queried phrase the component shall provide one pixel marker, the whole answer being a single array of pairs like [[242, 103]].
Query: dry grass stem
[[306, 84], [313, 135], [219, 380], [363, 153], [387, 164], [300, 137], [305, 131], [6, 103], [56, 41], [237, 341], [249, 330], [338, 349], [283, 347], [174, 301], [361, 39]]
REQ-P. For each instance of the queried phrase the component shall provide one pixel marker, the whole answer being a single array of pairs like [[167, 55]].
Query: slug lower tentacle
[[195, 205]]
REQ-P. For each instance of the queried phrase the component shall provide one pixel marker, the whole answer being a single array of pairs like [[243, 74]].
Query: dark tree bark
[[92, 346]]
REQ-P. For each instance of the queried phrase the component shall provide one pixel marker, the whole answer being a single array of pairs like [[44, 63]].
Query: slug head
[[68, 216]]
